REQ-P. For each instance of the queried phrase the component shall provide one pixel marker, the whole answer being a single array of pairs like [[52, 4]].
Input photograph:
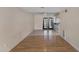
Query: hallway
[[43, 41]]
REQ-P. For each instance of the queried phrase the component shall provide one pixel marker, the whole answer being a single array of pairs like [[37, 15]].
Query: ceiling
[[43, 9]]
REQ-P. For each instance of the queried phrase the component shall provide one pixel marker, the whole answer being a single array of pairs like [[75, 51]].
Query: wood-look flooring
[[43, 41]]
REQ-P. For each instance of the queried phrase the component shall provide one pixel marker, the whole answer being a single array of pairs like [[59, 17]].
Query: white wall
[[38, 21], [15, 25], [70, 24]]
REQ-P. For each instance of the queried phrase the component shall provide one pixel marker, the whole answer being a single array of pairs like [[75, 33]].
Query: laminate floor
[[43, 41]]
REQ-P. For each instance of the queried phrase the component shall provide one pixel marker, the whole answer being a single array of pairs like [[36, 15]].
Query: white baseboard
[[20, 39], [71, 43]]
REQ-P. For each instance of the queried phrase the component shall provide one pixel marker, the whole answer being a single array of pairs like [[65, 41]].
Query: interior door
[[51, 23], [45, 23]]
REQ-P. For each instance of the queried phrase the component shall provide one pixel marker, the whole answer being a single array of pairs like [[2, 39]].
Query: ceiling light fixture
[[42, 7], [66, 10]]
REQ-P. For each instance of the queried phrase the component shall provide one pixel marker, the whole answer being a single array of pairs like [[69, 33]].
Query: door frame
[[48, 28]]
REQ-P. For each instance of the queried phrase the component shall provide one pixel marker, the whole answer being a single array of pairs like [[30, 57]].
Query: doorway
[[48, 23]]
